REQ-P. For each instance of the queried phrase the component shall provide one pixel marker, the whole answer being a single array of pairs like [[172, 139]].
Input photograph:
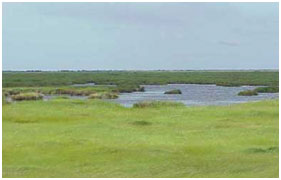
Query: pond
[[193, 95]]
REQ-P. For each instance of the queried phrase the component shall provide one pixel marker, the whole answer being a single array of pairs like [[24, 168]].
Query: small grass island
[[259, 90], [174, 91], [248, 93]]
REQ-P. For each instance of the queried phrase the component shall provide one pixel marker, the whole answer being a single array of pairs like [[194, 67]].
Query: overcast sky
[[140, 36]]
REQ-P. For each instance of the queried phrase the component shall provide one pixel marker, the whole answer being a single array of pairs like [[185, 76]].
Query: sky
[[139, 36]]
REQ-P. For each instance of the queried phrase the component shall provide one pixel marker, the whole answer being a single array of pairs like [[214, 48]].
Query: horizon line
[[89, 70]]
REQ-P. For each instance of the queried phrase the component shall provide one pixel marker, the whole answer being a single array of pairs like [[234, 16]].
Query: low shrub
[[248, 93], [27, 96], [267, 89], [174, 91]]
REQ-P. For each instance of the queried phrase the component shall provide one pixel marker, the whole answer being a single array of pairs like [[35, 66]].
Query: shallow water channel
[[193, 94]]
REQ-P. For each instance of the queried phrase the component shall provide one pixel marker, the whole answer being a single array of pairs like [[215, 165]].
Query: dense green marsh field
[[126, 79], [92, 138]]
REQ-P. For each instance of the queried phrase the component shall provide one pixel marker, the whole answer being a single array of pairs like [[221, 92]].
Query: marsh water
[[193, 95]]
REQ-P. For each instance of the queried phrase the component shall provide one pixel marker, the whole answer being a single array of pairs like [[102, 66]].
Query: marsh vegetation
[[65, 137]]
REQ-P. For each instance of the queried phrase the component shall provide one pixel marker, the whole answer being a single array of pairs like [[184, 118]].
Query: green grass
[[129, 80], [92, 138]]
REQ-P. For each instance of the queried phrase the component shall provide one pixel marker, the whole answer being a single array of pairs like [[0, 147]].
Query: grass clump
[[27, 96], [248, 93], [147, 104], [263, 150], [267, 89], [174, 91], [142, 123], [104, 95]]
